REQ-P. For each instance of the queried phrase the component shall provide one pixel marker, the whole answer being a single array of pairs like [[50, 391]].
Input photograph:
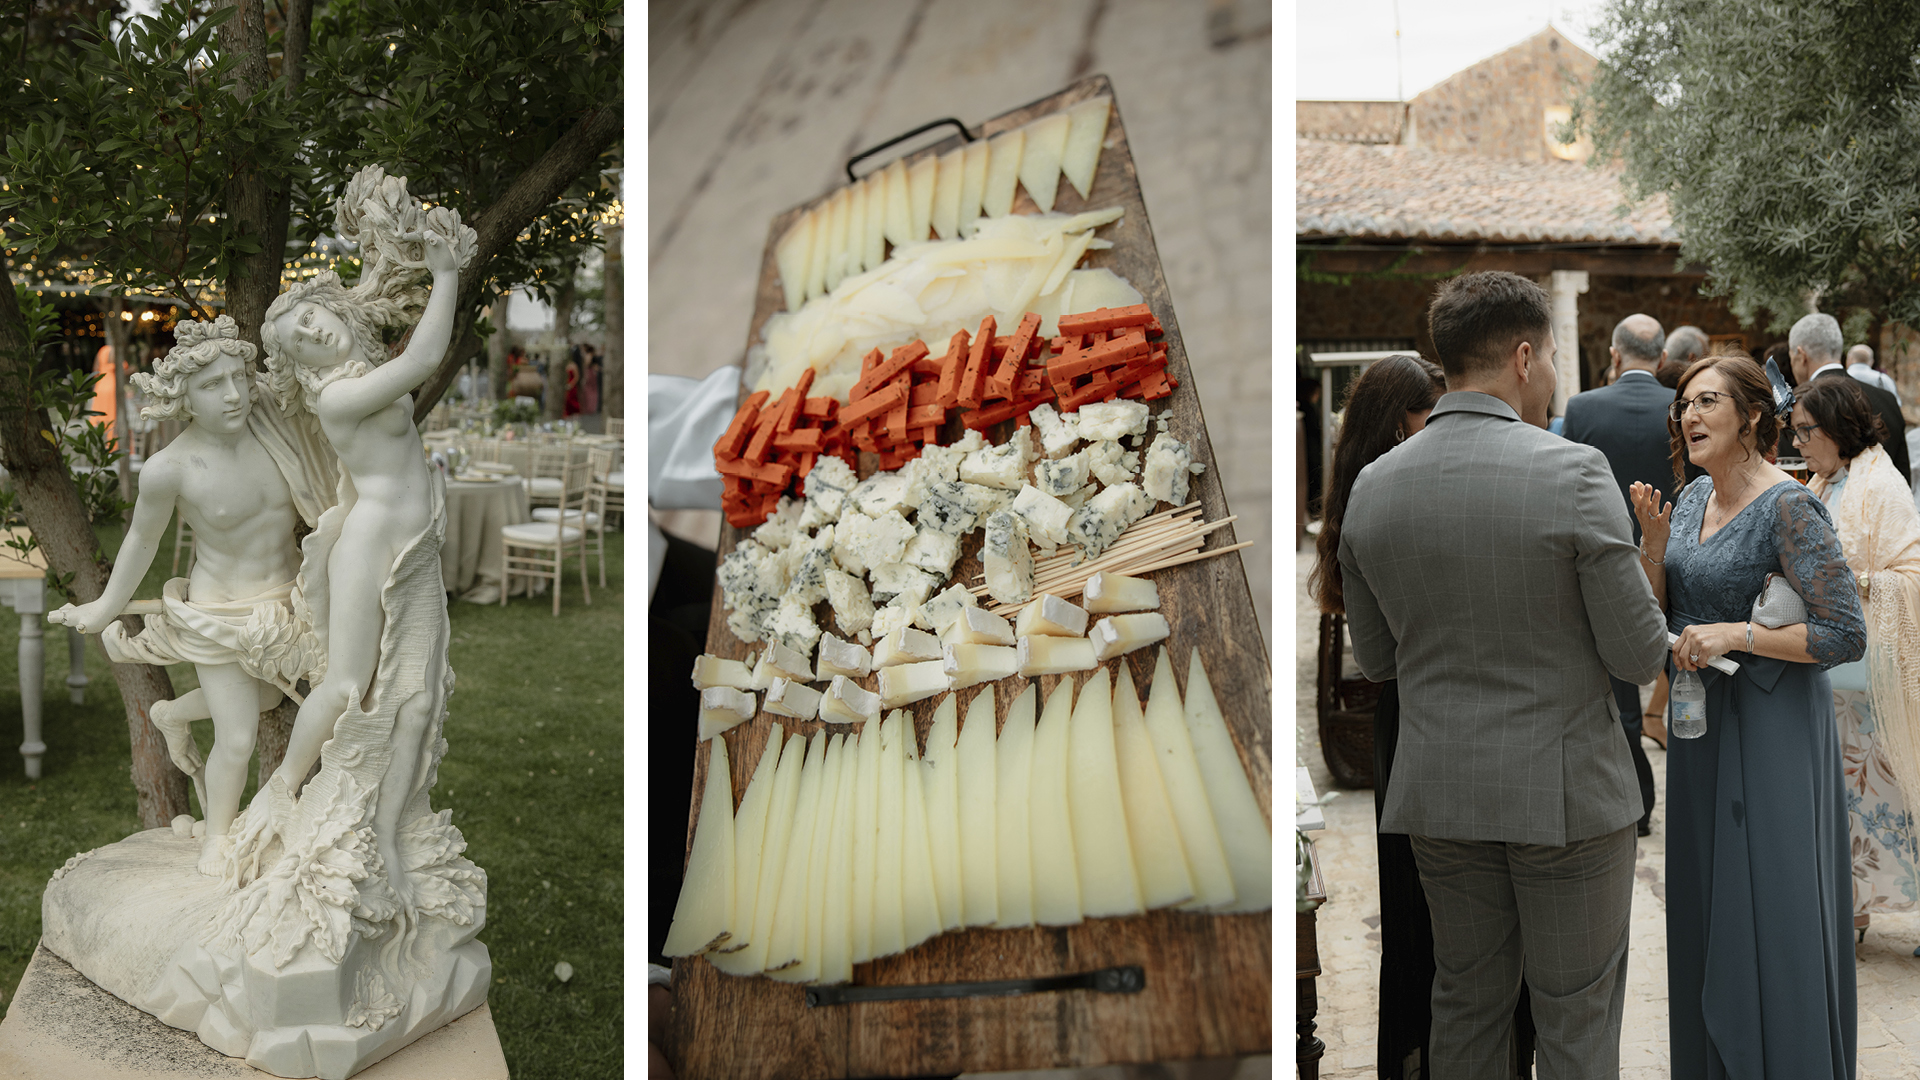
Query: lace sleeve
[[1811, 560]]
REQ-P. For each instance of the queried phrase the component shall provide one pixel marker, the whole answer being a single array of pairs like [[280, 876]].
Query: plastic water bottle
[[1689, 698]]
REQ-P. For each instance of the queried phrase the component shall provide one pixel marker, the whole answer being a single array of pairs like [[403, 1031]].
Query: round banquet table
[[470, 556]]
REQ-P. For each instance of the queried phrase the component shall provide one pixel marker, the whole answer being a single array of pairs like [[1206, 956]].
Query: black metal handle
[[898, 139], [1115, 980]]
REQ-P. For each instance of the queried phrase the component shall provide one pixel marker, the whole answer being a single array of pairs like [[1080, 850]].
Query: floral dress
[[1760, 965]]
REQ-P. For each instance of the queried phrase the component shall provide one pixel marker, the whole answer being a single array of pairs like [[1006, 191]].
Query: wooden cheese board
[[1208, 978]]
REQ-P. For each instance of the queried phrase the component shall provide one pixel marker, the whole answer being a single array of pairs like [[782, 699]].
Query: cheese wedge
[[919, 900], [813, 943], [774, 846], [1106, 593], [847, 658], [946, 194], [904, 684], [971, 665], [723, 707], [922, 176], [866, 840], [1116, 635], [749, 830], [790, 904], [899, 204], [787, 662], [704, 913], [837, 209], [889, 926], [1056, 881], [794, 256], [1044, 655], [942, 765], [1003, 173], [1187, 792], [1157, 854], [973, 184], [847, 702], [1013, 781], [1244, 831], [820, 252], [1044, 143], [787, 697], [905, 646], [979, 877], [875, 236], [856, 228], [836, 913], [1085, 136], [1102, 850], [712, 671], [1049, 616], [978, 626]]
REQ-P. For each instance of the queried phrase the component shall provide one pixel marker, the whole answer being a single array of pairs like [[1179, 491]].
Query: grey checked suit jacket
[[1487, 565]]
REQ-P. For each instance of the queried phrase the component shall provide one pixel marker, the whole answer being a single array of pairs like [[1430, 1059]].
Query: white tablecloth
[[470, 557]]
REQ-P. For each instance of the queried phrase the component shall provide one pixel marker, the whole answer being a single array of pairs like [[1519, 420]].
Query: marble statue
[[330, 923]]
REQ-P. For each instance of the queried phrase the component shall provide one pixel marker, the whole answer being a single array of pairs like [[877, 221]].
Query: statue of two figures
[[328, 923]]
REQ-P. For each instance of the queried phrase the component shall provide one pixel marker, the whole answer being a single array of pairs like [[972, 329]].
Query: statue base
[[132, 917]]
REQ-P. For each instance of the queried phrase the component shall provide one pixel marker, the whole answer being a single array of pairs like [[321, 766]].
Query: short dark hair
[[1841, 410], [1477, 319], [1748, 386]]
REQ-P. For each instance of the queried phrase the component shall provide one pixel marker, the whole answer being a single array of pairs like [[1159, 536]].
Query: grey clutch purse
[[1778, 605]]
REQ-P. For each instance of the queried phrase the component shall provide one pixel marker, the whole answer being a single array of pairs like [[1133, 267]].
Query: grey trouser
[[1558, 914]]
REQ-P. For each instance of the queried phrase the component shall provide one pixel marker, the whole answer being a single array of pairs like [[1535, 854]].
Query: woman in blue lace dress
[[1760, 966]]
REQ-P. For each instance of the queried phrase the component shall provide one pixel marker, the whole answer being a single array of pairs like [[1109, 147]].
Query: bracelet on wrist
[[1644, 554], [1749, 637]]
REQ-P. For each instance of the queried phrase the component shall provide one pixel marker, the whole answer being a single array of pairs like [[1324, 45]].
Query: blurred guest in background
[[1815, 345], [1861, 365], [1876, 700]]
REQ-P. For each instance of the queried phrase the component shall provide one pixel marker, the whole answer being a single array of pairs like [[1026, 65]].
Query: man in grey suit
[[1489, 567], [1628, 423]]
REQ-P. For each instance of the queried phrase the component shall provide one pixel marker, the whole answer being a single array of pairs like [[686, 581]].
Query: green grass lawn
[[534, 776]]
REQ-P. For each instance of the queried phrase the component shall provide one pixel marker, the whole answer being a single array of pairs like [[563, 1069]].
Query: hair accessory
[[1782, 393]]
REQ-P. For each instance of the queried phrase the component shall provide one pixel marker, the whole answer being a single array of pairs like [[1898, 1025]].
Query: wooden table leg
[[33, 673], [76, 667]]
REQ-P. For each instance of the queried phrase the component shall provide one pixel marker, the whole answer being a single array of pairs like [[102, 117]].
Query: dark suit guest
[[1817, 348], [1628, 422]]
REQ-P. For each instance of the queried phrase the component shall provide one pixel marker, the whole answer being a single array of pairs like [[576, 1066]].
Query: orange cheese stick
[[874, 404], [804, 440], [735, 439], [1108, 319], [1008, 373], [883, 372], [925, 393], [973, 382], [819, 408], [951, 368], [867, 363], [1104, 355]]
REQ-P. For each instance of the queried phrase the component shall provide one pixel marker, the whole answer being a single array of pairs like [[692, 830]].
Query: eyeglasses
[[1803, 433], [1706, 402]]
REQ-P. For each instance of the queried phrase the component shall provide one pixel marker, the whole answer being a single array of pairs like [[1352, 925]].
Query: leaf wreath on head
[[389, 226]]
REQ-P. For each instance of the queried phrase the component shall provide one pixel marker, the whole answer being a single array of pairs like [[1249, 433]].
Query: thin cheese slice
[[979, 878], [875, 237], [942, 763], [1013, 778], [866, 839], [1109, 885], [1044, 143], [899, 204], [1003, 173], [1084, 138], [1244, 831], [1056, 882], [704, 912], [836, 912], [889, 926], [919, 900], [790, 905], [1157, 854], [813, 943], [749, 829], [922, 175], [774, 847], [973, 184], [856, 228], [1187, 793], [794, 256], [946, 194], [820, 251], [837, 210]]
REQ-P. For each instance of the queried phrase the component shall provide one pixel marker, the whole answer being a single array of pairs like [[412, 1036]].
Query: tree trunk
[[526, 198], [556, 401], [613, 400], [54, 512], [497, 347]]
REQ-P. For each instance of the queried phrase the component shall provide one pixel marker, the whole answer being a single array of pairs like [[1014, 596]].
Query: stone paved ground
[[1888, 972], [755, 106]]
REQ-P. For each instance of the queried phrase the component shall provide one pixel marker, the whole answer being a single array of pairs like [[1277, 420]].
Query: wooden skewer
[[1196, 556]]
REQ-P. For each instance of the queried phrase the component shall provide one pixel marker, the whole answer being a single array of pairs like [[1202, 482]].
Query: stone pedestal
[[60, 1026]]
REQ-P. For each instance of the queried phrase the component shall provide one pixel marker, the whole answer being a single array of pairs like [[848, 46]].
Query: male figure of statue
[[237, 599]]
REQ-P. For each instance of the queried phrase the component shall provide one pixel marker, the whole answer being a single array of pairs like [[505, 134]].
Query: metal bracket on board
[[1115, 980], [965, 136]]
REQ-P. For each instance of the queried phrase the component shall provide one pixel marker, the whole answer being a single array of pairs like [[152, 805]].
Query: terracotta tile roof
[[1386, 192]]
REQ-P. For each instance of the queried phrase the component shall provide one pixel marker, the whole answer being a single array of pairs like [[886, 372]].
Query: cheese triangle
[[790, 905], [749, 830], [1244, 831], [875, 236], [920, 904], [1044, 142], [973, 185], [889, 925], [1013, 777], [1056, 881], [1085, 136], [1102, 851], [1003, 173], [946, 194], [1157, 852], [979, 878], [899, 204], [1187, 792], [921, 178], [704, 912], [943, 809], [794, 256], [866, 839], [836, 914]]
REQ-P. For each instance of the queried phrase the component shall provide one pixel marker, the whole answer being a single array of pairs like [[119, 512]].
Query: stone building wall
[[1370, 122], [1498, 107]]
